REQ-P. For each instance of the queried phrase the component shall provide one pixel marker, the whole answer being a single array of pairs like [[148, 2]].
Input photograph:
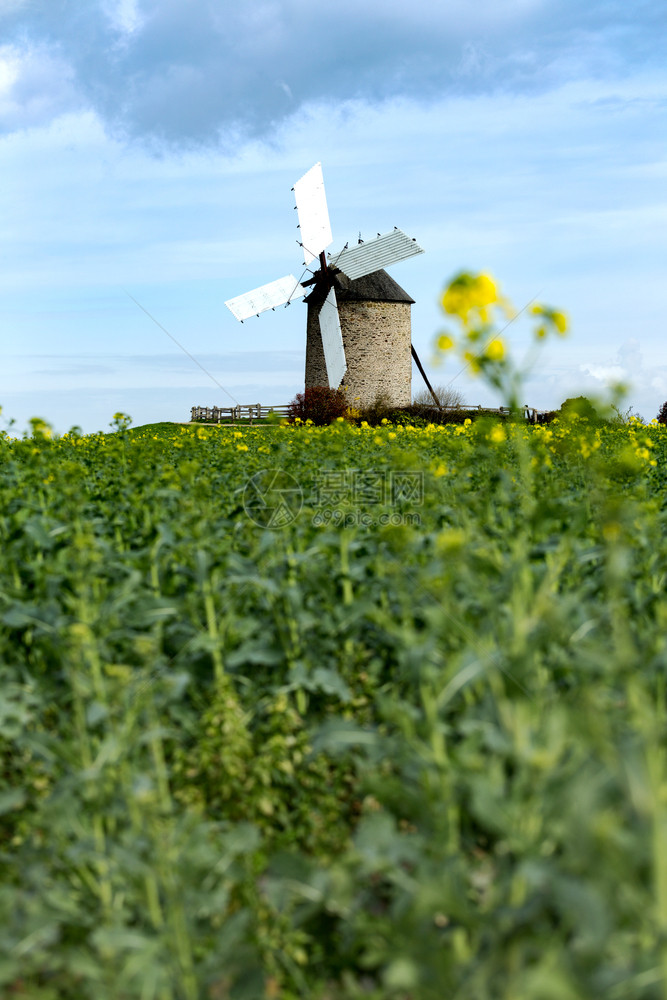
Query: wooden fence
[[234, 414], [255, 411], [531, 415], [528, 411]]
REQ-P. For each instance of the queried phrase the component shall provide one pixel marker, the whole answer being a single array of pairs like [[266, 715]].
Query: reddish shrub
[[319, 404]]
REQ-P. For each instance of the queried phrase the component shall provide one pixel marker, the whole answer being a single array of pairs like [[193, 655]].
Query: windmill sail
[[311, 204], [356, 262], [332, 340], [276, 293], [376, 254]]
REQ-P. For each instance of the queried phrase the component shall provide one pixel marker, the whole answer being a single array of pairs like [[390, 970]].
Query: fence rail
[[255, 411], [234, 414], [531, 414]]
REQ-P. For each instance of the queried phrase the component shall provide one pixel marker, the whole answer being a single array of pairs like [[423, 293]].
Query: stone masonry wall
[[376, 338]]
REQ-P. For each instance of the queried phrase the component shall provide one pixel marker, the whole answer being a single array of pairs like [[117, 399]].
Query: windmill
[[358, 327]]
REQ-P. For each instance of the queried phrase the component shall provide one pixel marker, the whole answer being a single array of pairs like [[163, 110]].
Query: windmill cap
[[375, 287]]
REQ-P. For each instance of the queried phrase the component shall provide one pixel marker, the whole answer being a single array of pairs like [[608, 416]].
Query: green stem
[[212, 626]]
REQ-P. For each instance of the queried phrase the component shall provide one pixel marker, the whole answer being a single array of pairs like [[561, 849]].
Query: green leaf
[[11, 799]]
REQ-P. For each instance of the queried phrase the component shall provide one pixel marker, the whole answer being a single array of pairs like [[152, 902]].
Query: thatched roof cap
[[375, 287]]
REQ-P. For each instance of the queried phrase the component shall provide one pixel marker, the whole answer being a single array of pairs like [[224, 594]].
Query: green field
[[399, 733]]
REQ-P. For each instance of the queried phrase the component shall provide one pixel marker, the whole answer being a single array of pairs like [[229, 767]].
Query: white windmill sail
[[332, 340], [311, 204], [276, 293], [365, 258], [355, 262]]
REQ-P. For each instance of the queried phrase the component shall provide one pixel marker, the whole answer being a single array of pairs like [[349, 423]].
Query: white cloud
[[11, 6], [9, 69], [558, 193], [646, 382], [36, 86], [124, 15], [186, 73], [608, 375]]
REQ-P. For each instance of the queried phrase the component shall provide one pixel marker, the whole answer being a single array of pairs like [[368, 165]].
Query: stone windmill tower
[[374, 316], [358, 332]]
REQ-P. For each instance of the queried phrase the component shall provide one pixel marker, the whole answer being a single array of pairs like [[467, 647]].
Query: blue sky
[[149, 147]]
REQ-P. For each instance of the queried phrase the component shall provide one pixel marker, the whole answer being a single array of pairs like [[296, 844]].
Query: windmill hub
[[358, 333]]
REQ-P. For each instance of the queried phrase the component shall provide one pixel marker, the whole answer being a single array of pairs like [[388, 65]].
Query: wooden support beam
[[423, 373]]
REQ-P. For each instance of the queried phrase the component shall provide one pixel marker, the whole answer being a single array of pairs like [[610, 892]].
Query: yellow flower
[[559, 320], [445, 342], [242, 447], [473, 362], [498, 435], [450, 540], [495, 351], [470, 292], [611, 531], [555, 317], [507, 307]]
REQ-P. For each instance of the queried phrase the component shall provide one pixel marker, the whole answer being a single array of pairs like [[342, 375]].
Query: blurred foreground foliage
[[411, 745], [376, 760]]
